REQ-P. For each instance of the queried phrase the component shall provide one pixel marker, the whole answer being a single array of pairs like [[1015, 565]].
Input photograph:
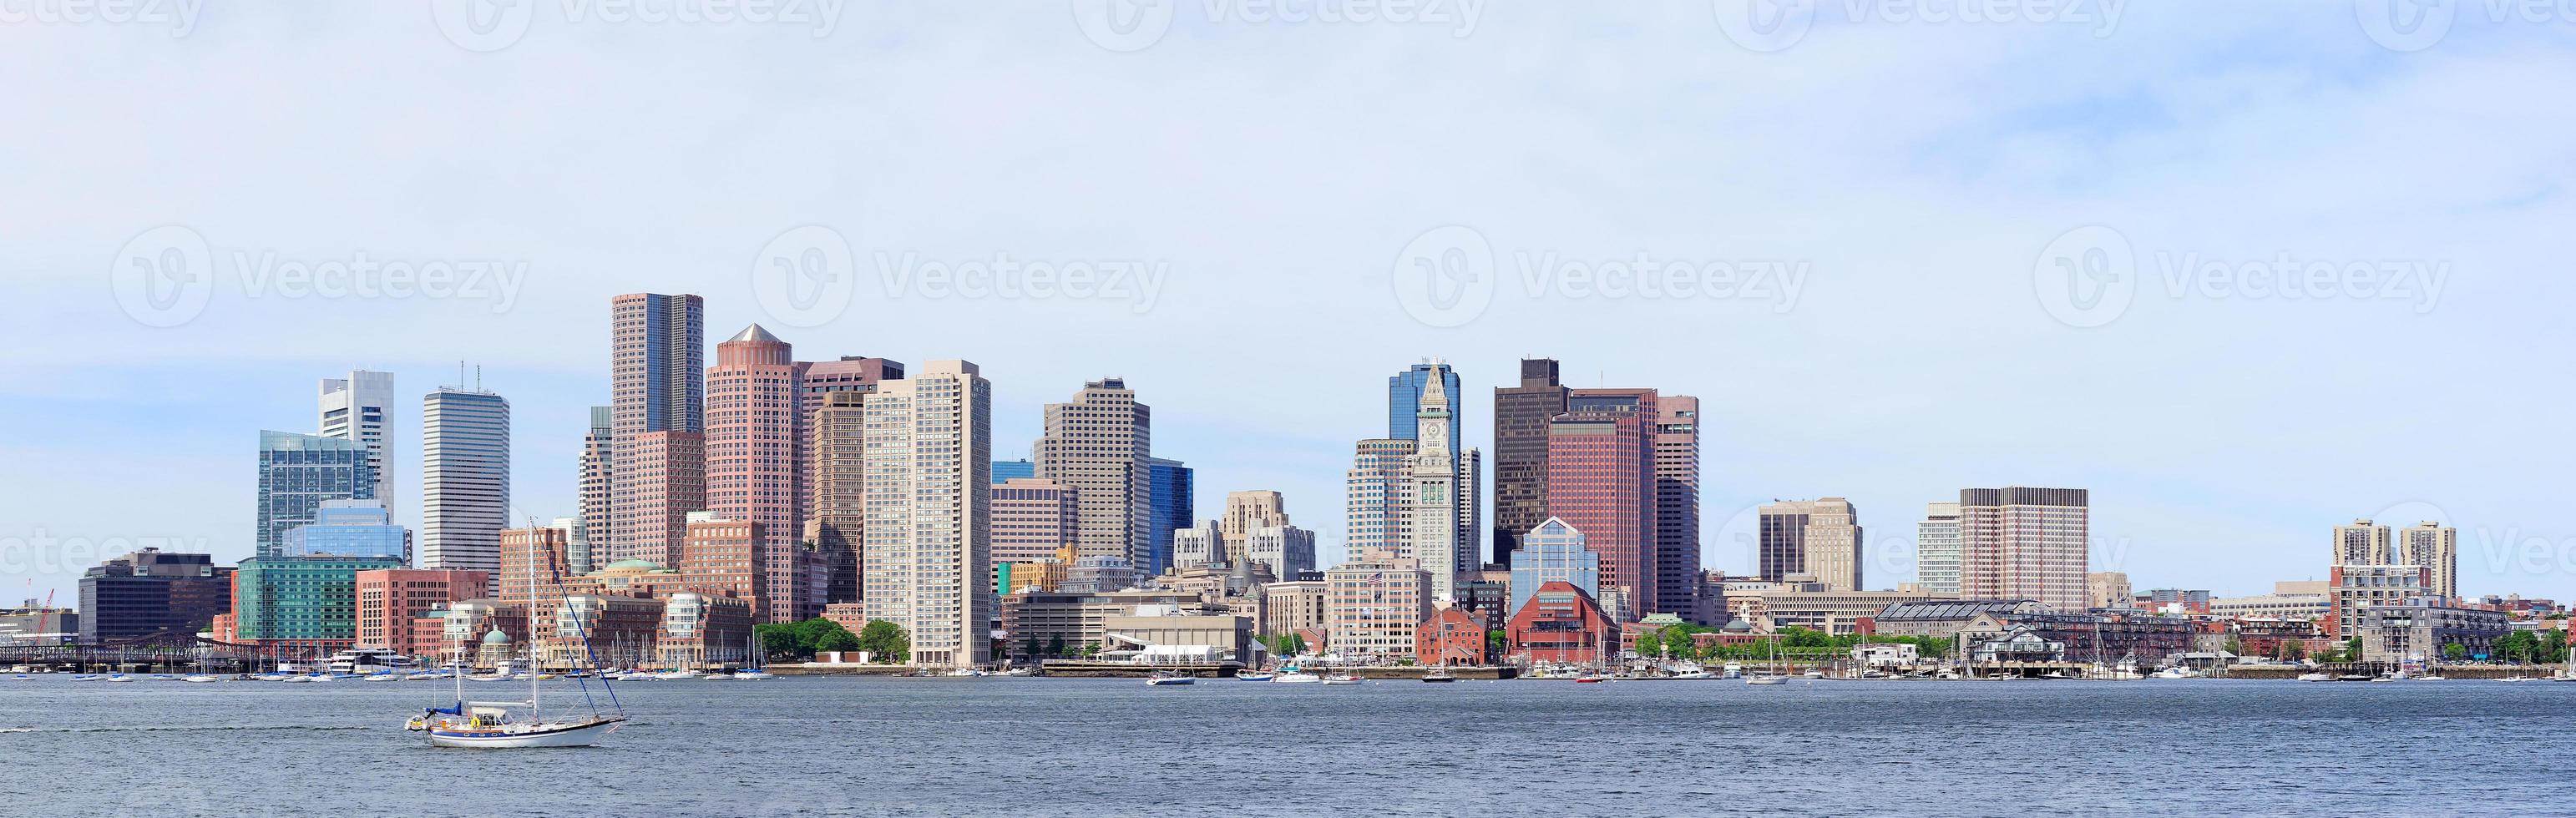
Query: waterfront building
[[149, 592], [2353, 589], [2170, 601], [576, 544], [1168, 635], [2108, 589], [2025, 543], [1005, 471], [1172, 499], [1936, 549], [1521, 417], [1451, 636], [465, 479], [1404, 392], [1677, 507], [1552, 552], [1378, 498], [929, 509], [1287, 550], [349, 528], [1064, 625], [1816, 538], [1819, 606], [657, 416], [1098, 444], [297, 473], [1373, 605], [2362, 543], [756, 445], [1486, 592], [360, 409], [393, 601], [2425, 629], [1034, 518], [732, 555], [596, 457], [1292, 606], [1943, 618], [2434, 546], [544, 551], [300, 606], [1562, 625], [2074, 637]]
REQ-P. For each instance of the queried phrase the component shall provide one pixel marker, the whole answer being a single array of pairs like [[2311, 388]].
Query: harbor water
[[1018, 746]]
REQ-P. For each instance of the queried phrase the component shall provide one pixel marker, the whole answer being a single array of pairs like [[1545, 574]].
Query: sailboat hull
[[576, 734]]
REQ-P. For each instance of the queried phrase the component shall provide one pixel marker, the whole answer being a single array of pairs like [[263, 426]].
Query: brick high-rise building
[[1521, 417], [657, 422], [1601, 479], [2025, 543], [392, 602], [1098, 444], [929, 510], [756, 471]]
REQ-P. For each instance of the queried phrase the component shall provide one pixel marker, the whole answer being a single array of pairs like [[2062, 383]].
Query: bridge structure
[[167, 651]]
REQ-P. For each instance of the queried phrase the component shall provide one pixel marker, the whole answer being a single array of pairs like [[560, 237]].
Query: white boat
[[718, 676], [966, 672], [1168, 680], [2316, 677], [1733, 671], [1342, 679], [2175, 673], [678, 674], [201, 678], [1295, 677], [1695, 674], [119, 677], [1813, 673], [488, 724], [749, 675], [1255, 677], [383, 676], [1766, 679]]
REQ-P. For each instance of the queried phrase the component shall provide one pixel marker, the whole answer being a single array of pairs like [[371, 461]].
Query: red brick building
[[392, 602], [1452, 636], [1562, 624]]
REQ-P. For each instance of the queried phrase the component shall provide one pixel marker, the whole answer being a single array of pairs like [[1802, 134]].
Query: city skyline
[[1897, 304]]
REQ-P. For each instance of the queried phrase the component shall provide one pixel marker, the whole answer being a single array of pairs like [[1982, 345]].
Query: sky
[[2245, 271]]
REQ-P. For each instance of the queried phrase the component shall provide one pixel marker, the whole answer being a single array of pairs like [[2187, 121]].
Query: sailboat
[[488, 724], [1769, 675]]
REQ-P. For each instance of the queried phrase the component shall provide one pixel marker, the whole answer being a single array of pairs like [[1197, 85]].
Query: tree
[[886, 641], [2295, 650], [1292, 644], [1032, 649], [838, 641], [1677, 642], [1647, 644], [2352, 649], [778, 640], [1497, 644], [2553, 647], [1055, 645], [2455, 651]]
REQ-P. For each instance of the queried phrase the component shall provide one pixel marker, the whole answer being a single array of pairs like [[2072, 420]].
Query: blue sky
[[1920, 180]]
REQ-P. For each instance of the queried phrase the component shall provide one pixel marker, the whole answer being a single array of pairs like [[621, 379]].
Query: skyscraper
[[1813, 538], [2025, 543], [1248, 510], [1435, 517], [464, 480], [1601, 476], [755, 463], [1172, 499], [350, 528], [1677, 506], [1287, 549], [1377, 493], [596, 456], [1098, 444], [929, 511], [1404, 398], [298, 472], [2434, 546], [361, 408], [1936, 549], [657, 386], [1521, 416]]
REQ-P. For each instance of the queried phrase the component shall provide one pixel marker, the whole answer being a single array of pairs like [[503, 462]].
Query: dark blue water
[[888, 747]]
